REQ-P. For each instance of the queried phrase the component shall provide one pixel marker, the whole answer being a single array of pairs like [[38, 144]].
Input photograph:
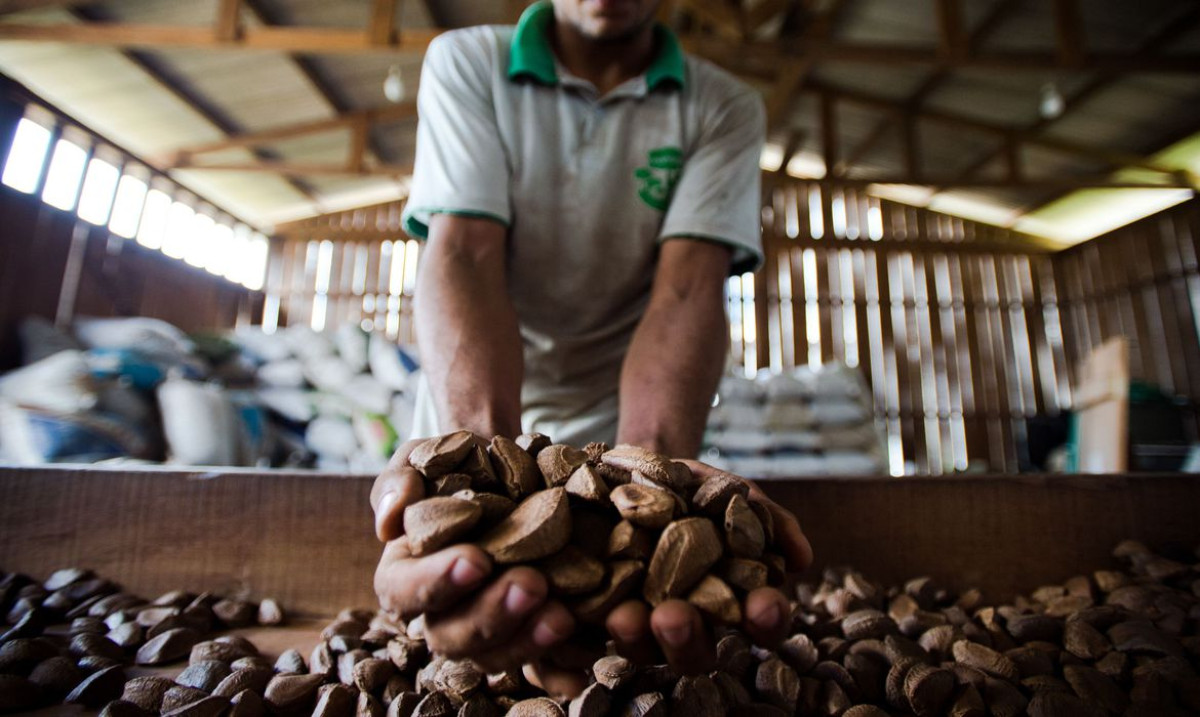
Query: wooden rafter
[[996, 16], [330, 40], [229, 20], [762, 58], [1068, 31], [1176, 27], [347, 120], [313, 40], [783, 93], [764, 12], [302, 169], [383, 22], [313, 76], [794, 142], [1023, 182], [717, 16], [793, 74], [196, 103], [950, 32], [1100, 154]]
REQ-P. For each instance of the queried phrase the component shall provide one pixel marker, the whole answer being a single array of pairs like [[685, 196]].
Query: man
[[585, 190]]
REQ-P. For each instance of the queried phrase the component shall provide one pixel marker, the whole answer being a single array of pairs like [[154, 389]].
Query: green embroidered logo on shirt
[[656, 181]]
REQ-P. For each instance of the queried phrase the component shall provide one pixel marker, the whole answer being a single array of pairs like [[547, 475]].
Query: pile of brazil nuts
[[602, 524], [70, 639], [1107, 643]]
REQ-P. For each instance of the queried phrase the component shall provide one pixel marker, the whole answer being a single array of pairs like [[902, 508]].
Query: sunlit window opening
[[66, 172], [179, 230], [154, 219], [99, 186], [127, 208], [199, 240], [256, 263], [27, 156], [218, 259], [239, 248]]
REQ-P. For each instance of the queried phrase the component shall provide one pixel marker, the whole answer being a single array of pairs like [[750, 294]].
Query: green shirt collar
[[531, 54]]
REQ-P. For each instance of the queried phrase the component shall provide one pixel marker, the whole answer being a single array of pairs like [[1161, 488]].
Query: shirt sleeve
[[719, 196], [460, 166]]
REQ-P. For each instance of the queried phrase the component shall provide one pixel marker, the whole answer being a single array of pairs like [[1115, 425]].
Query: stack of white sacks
[[140, 389], [802, 422]]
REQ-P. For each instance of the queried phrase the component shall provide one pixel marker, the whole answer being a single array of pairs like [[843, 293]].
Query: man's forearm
[[467, 333], [671, 372]]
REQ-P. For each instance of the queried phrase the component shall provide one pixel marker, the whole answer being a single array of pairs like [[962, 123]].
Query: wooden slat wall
[[953, 324], [963, 331], [352, 267], [1142, 282]]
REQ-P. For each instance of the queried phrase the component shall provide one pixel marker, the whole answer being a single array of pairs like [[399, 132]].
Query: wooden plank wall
[[117, 277], [1143, 282], [963, 331], [355, 267], [954, 324]]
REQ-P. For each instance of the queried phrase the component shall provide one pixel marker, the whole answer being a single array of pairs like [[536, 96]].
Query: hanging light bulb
[[1051, 103], [393, 85]]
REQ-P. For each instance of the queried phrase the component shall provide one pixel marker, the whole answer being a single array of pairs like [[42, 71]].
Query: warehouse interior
[[962, 200], [969, 368]]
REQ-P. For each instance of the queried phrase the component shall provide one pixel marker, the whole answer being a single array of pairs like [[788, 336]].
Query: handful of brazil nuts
[[602, 524]]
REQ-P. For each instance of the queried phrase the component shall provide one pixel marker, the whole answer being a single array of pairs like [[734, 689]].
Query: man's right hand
[[500, 624]]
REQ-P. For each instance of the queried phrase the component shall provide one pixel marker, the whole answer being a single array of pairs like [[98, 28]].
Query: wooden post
[[382, 27], [229, 21]]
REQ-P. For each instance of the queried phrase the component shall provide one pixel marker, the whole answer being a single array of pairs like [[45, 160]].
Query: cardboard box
[[307, 539]]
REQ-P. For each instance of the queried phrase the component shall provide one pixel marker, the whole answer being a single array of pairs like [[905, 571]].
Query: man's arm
[[471, 349], [467, 329], [678, 351]]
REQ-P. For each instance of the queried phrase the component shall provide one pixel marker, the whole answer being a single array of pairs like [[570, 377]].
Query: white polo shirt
[[588, 187]]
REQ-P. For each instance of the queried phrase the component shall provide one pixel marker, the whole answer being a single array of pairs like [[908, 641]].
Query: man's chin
[[614, 29]]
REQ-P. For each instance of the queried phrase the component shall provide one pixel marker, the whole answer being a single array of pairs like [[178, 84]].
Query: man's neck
[[606, 64]]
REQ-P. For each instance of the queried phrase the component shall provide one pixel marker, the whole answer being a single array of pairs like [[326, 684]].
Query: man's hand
[[677, 629], [499, 624], [509, 621]]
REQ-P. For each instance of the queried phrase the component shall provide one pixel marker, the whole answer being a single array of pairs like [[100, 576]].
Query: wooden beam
[[783, 94], [822, 23], [333, 41], [229, 20], [764, 12], [196, 102], [794, 141], [1175, 27], [716, 15], [1057, 182], [996, 16], [1012, 157], [359, 132], [1068, 32], [912, 147], [300, 169], [765, 57], [829, 134], [382, 28], [387, 113], [312, 40], [1100, 154], [950, 33], [333, 96]]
